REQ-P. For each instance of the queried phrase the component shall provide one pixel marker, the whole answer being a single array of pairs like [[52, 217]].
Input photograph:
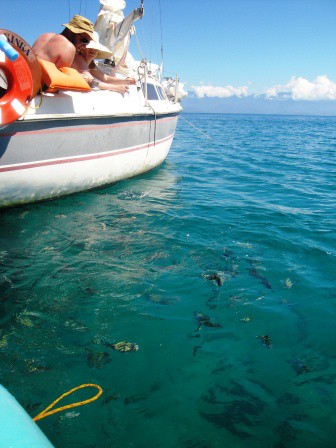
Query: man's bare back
[[61, 48], [55, 48]]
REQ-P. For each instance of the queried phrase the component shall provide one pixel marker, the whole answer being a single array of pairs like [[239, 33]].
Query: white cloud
[[220, 92], [298, 88], [322, 88]]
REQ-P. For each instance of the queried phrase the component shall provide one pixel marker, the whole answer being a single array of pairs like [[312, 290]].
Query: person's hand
[[121, 89]]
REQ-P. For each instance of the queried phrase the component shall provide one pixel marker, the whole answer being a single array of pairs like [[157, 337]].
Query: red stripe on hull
[[83, 158]]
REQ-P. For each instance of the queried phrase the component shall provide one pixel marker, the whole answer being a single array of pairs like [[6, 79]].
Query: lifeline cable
[[206, 135]]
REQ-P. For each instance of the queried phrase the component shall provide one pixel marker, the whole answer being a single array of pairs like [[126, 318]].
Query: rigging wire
[[151, 38], [80, 7], [157, 53], [144, 37], [161, 30], [69, 9], [138, 43]]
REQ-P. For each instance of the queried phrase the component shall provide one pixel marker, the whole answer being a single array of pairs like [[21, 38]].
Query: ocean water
[[220, 265]]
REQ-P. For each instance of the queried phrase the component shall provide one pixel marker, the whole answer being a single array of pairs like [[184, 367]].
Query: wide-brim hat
[[103, 52], [79, 24]]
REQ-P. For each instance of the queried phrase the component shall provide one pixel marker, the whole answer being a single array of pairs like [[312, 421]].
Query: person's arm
[[109, 79], [89, 73], [105, 86], [98, 74], [118, 81]]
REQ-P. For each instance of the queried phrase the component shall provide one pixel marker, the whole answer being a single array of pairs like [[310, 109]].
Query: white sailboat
[[71, 141]]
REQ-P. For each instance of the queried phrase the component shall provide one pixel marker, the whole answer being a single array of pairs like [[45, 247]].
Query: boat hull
[[45, 159]]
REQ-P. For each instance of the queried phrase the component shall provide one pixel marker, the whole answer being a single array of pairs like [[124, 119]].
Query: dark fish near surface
[[194, 334], [168, 301], [90, 291], [266, 283], [196, 348], [212, 302], [97, 360], [31, 407], [137, 398], [112, 397], [205, 320], [288, 398], [254, 273], [227, 253], [33, 367], [300, 367], [210, 323], [216, 278], [266, 340]]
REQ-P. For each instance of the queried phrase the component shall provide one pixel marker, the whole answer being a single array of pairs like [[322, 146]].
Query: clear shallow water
[[255, 209]]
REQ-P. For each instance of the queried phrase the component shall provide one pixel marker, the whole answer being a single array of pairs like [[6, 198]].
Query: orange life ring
[[21, 46], [19, 90]]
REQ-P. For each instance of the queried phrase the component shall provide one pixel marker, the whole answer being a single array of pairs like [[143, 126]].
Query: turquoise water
[[220, 265]]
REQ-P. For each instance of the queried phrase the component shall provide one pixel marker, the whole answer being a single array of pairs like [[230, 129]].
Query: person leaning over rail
[[61, 48], [84, 64]]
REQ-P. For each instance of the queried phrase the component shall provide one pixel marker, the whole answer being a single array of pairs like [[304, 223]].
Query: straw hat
[[79, 24], [103, 52]]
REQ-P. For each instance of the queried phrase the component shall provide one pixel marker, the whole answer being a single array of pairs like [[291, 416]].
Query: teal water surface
[[220, 265]]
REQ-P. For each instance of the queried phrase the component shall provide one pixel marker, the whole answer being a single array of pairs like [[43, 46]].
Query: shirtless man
[[62, 48], [83, 62]]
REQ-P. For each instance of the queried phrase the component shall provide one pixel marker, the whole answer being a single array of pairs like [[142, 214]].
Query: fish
[[112, 397], [254, 273], [209, 323], [194, 334], [125, 346], [195, 350], [33, 367], [90, 291], [288, 283], [31, 407], [300, 367], [136, 398], [205, 320], [98, 360], [227, 253], [266, 340], [266, 283], [215, 277]]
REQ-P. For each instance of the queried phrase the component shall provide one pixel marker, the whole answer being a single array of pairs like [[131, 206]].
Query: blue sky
[[279, 48]]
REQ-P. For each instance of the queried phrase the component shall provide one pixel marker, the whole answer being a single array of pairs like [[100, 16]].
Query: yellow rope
[[39, 105], [47, 410], [34, 107]]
